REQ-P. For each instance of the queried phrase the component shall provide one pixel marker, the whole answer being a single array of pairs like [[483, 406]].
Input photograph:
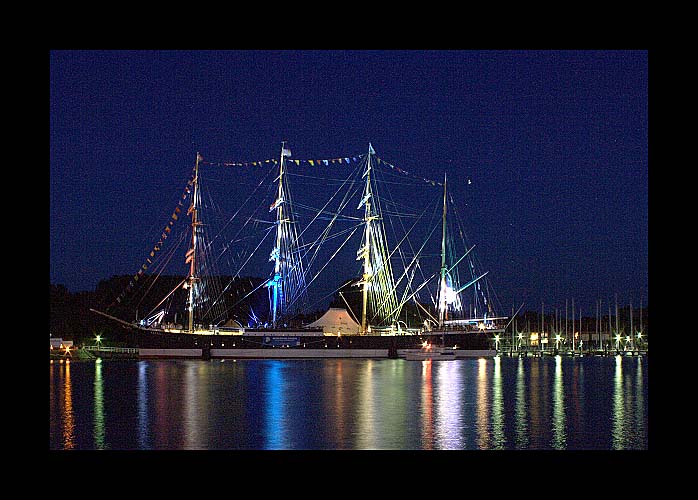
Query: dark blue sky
[[555, 143]]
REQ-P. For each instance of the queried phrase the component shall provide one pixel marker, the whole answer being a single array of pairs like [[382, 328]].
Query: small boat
[[446, 353], [432, 353]]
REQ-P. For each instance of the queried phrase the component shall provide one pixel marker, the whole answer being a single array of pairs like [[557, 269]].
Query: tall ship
[[410, 282]]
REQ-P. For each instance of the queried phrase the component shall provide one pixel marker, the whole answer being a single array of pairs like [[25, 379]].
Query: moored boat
[[210, 328]]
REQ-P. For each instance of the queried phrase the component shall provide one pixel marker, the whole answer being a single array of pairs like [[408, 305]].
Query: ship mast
[[365, 250], [275, 283], [191, 254], [442, 298]]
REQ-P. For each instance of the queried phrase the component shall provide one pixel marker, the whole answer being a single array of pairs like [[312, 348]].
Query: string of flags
[[176, 214], [348, 160], [405, 172], [318, 163]]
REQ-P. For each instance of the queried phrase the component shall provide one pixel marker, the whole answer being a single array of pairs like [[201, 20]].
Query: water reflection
[[639, 404], [483, 405], [537, 420], [395, 423], [68, 417], [194, 408], [575, 402], [618, 406], [99, 406], [365, 411], [143, 420], [497, 406], [427, 407], [276, 423], [498, 403], [521, 407], [559, 438], [448, 405], [336, 394], [164, 394]]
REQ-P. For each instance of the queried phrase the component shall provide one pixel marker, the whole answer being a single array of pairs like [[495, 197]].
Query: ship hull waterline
[[300, 344]]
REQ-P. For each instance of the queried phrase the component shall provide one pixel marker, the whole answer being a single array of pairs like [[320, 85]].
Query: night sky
[[553, 142]]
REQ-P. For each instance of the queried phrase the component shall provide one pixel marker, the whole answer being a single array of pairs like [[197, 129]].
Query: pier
[[111, 352], [523, 353]]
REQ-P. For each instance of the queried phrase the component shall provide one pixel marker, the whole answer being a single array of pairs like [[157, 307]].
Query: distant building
[[59, 343]]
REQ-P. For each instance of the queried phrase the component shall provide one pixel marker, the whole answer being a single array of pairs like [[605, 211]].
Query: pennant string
[[166, 231], [315, 163]]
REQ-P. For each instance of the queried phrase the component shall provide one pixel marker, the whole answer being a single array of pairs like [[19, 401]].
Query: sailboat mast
[[542, 323], [617, 327], [632, 333], [366, 250], [442, 297], [191, 254], [573, 333]]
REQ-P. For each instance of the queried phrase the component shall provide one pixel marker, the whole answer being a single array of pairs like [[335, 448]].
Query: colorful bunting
[[347, 160], [158, 245], [313, 163]]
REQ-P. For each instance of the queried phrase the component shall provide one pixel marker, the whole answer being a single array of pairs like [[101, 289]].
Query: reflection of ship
[[381, 312]]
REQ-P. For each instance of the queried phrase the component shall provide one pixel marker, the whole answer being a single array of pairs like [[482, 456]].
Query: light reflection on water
[[99, 407], [559, 439], [521, 405], [143, 418], [500, 403], [66, 407], [277, 438], [498, 438], [449, 434]]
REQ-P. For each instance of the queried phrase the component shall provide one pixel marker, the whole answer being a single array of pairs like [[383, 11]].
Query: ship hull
[[296, 343]]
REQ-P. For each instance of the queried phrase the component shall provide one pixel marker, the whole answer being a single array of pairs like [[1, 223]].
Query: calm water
[[344, 404]]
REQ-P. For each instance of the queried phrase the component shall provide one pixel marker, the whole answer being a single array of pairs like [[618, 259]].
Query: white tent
[[336, 320]]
